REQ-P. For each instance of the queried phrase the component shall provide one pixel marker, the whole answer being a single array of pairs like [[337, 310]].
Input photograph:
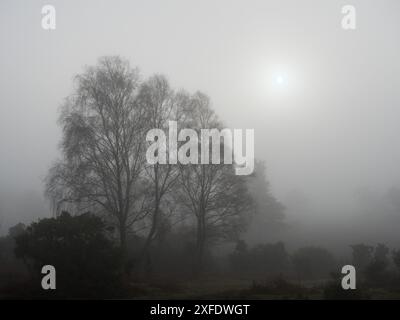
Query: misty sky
[[333, 129]]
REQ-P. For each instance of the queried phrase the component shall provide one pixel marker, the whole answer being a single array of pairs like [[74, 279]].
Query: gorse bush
[[263, 259], [86, 261], [313, 263]]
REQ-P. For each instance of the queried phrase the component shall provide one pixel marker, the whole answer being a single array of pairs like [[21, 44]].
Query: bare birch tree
[[102, 146], [212, 193]]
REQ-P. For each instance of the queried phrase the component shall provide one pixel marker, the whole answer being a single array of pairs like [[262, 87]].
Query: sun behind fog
[[280, 80]]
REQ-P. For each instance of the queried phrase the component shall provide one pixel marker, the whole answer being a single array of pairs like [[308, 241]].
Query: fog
[[330, 136]]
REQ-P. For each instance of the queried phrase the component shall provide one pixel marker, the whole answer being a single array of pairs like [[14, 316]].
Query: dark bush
[[263, 260], [313, 263], [375, 271], [86, 261], [362, 256]]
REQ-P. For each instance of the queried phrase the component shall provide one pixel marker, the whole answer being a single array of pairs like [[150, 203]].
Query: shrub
[[86, 261], [313, 263], [263, 259]]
